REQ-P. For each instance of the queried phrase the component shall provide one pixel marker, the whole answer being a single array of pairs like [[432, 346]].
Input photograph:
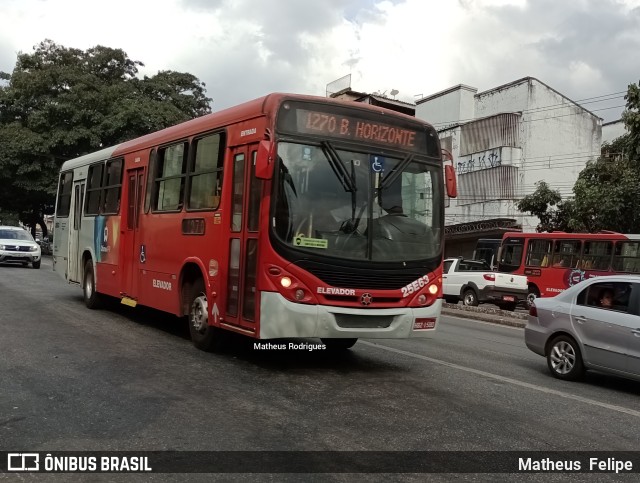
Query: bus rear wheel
[[92, 298], [204, 336], [339, 344], [533, 294]]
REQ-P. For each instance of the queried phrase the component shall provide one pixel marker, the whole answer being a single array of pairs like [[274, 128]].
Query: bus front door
[[133, 253], [75, 255], [242, 302]]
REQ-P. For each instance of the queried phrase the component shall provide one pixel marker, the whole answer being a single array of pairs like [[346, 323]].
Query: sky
[[243, 49]]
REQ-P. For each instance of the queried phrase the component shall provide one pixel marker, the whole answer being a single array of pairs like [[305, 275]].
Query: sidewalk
[[486, 314]]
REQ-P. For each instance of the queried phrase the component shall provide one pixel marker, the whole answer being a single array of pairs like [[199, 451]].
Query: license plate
[[508, 298]]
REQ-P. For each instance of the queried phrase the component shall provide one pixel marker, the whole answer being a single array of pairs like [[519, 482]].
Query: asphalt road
[[72, 379]]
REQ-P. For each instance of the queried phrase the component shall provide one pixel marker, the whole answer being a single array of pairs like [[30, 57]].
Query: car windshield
[[357, 205], [22, 235]]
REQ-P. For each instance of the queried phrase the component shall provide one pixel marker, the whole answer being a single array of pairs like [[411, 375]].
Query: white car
[[17, 245]]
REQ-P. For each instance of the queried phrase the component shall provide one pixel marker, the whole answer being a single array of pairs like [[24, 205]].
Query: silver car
[[594, 324], [17, 245]]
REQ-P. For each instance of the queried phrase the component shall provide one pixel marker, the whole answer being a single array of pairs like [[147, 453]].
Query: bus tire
[[204, 336], [470, 298], [92, 298], [533, 294], [339, 344]]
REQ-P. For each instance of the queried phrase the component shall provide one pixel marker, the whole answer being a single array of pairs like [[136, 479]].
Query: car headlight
[[34, 248], [2, 247]]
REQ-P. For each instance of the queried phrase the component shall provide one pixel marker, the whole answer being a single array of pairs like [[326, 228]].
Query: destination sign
[[344, 123]]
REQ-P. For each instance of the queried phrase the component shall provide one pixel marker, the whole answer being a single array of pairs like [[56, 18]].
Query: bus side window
[[205, 173], [170, 175], [112, 184]]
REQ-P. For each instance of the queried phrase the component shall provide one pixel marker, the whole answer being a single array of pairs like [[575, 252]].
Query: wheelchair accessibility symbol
[[377, 164]]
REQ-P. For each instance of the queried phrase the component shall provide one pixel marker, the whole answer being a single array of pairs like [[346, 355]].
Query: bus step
[[128, 301]]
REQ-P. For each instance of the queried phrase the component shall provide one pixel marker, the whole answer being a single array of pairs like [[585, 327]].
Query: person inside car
[[606, 298]]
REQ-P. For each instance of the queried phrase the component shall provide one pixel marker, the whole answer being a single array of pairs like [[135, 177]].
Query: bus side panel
[[60, 246], [104, 239], [164, 249]]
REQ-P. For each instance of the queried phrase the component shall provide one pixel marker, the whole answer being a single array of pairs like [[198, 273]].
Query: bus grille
[[348, 277]]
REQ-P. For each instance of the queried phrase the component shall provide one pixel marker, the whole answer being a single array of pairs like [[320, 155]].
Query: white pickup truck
[[472, 281]]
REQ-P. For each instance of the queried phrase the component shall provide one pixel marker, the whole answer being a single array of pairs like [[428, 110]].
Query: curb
[[495, 316]]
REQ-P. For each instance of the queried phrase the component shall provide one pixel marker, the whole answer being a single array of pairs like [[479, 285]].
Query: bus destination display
[[337, 124]]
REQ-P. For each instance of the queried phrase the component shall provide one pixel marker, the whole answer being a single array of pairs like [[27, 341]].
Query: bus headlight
[[285, 282]]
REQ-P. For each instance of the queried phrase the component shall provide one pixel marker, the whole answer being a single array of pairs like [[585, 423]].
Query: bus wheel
[[91, 297], [339, 344], [204, 336], [470, 298], [533, 294]]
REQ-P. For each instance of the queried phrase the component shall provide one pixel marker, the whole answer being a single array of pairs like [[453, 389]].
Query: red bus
[[285, 217], [555, 261]]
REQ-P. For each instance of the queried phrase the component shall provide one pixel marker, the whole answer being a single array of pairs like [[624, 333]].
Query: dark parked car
[[594, 324]]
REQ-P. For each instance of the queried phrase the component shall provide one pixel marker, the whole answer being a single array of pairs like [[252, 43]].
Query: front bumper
[[11, 256], [280, 318]]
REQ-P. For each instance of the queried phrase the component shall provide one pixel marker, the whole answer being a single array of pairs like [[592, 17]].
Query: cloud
[[242, 49]]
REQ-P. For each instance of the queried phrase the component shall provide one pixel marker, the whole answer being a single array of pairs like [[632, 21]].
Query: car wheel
[[204, 336], [339, 344], [564, 358], [469, 298], [35, 264], [92, 299]]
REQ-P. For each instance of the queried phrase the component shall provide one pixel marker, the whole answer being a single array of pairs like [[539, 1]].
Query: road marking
[[515, 382], [486, 322]]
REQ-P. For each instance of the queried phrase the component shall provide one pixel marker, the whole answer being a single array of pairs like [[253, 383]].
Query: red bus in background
[[285, 217], [555, 261]]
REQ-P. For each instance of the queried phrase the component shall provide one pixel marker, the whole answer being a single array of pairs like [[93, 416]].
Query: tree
[[545, 203], [631, 118], [60, 103], [606, 192]]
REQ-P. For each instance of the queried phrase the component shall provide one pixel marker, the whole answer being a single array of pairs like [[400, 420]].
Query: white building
[[503, 142]]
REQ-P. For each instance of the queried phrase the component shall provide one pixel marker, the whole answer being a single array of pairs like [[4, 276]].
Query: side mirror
[[449, 174], [265, 159], [450, 180]]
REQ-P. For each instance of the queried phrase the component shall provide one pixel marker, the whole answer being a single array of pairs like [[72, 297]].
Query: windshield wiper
[[338, 167], [393, 175]]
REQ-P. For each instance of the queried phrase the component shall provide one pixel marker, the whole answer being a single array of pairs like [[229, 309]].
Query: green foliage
[[60, 103], [547, 205], [606, 196], [607, 191], [631, 118]]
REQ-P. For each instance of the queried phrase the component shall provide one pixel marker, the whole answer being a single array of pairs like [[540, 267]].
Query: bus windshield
[[354, 204]]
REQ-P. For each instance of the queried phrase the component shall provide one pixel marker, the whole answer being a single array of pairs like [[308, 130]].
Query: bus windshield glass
[[353, 204]]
